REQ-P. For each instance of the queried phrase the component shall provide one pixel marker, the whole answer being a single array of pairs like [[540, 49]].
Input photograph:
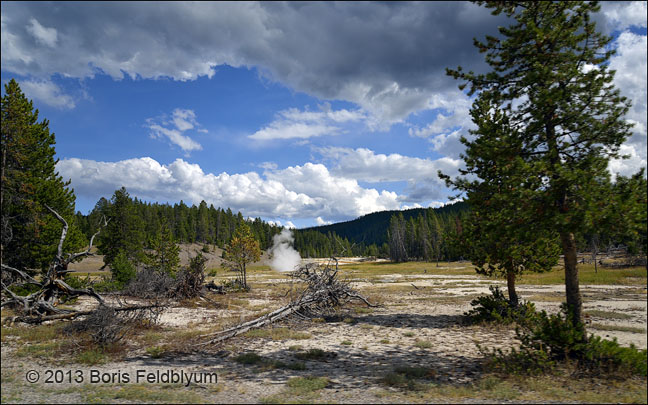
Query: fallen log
[[37, 319], [324, 292]]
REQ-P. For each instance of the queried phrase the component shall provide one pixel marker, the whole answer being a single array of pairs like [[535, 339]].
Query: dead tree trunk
[[52, 287], [323, 292]]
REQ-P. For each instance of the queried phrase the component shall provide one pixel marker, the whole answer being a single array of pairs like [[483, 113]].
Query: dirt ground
[[417, 325]]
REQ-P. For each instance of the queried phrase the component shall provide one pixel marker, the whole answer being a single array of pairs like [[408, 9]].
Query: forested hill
[[372, 228], [364, 236]]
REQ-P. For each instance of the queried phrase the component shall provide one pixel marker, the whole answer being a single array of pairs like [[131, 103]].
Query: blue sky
[[298, 113]]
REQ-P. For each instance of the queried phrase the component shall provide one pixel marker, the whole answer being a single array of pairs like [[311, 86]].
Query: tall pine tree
[[500, 236], [125, 231], [550, 77], [30, 233]]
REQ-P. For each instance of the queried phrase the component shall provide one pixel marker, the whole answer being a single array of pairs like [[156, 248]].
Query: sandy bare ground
[[418, 325]]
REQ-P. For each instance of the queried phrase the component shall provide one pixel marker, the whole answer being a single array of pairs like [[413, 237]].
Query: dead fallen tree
[[154, 308], [42, 305], [323, 293], [52, 287]]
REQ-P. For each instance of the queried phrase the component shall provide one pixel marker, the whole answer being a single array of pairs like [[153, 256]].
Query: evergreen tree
[[551, 79], [125, 231], [500, 236], [30, 233], [165, 254]]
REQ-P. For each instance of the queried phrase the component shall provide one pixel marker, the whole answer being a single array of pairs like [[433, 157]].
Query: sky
[[301, 114]]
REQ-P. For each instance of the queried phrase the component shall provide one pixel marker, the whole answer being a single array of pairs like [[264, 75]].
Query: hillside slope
[[372, 228]]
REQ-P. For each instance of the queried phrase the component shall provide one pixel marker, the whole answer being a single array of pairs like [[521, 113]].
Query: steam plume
[[282, 255]]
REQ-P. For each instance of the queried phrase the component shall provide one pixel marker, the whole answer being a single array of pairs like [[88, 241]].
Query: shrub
[[150, 283], [24, 289], [77, 282], [608, 356], [189, 280], [497, 308], [106, 325], [549, 339], [106, 285], [315, 354], [248, 358]]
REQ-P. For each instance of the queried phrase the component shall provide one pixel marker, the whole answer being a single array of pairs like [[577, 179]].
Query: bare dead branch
[[21, 274], [51, 288], [59, 250], [73, 315], [323, 293], [87, 252]]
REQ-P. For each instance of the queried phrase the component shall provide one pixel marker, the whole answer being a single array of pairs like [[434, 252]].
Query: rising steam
[[282, 255]]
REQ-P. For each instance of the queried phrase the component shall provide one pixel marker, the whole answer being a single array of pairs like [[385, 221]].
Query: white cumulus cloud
[[421, 175], [621, 15], [306, 191], [48, 93], [297, 124], [181, 121], [631, 78]]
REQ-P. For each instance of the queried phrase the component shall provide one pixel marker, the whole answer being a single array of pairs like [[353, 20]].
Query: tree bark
[[510, 283], [572, 290]]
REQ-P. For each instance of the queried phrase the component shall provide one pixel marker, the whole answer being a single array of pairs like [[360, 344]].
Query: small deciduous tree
[[242, 250]]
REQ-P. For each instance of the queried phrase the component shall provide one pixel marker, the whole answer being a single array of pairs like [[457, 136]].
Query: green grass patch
[[304, 385], [91, 357], [617, 328], [299, 390], [346, 343], [374, 270], [48, 350], [587, 275], [537, 389], [408, 378], [33, 334], [156, 351], [607, 314], [140, 393], [423, 344]]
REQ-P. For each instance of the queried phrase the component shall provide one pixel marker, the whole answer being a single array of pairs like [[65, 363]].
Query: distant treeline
[[196, 224], [427, 234], [207, 224]]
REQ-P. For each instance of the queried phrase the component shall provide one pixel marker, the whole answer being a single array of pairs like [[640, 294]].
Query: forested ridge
[[206, 224]]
